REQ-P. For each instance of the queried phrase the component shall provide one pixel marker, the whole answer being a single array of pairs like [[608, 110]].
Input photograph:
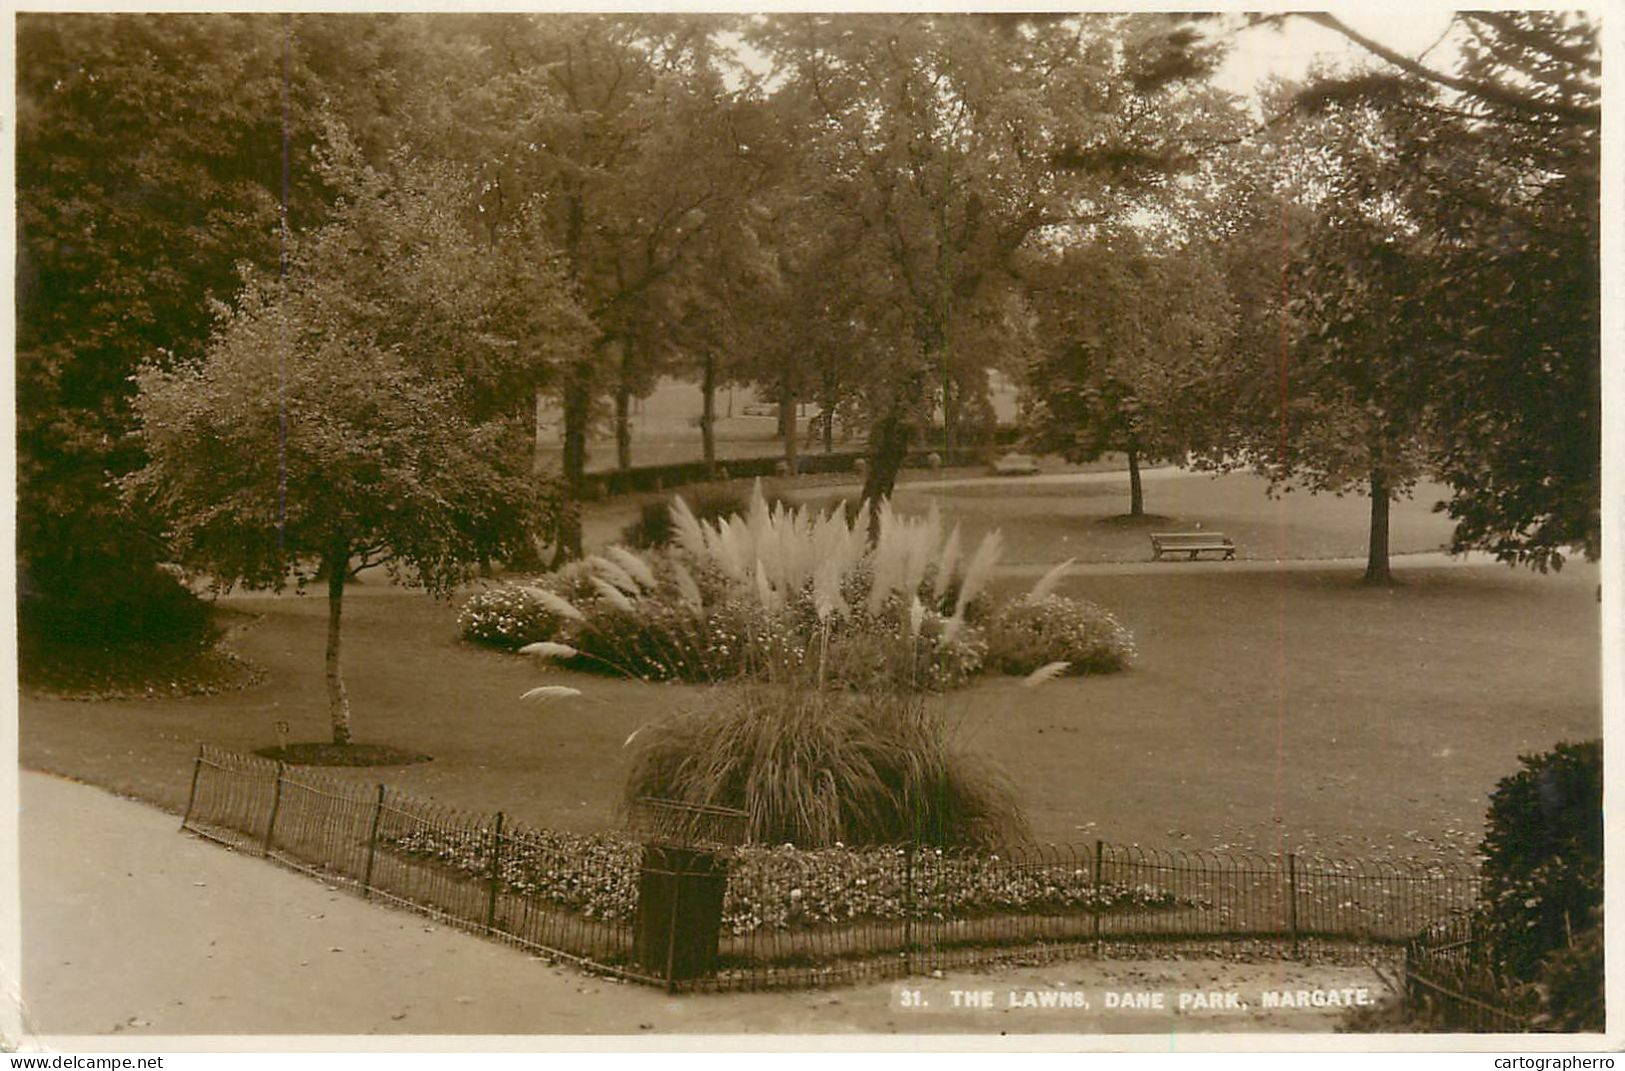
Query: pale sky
[[1288, 52]]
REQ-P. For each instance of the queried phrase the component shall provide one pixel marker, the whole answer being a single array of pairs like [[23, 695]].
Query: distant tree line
[[304, 276]]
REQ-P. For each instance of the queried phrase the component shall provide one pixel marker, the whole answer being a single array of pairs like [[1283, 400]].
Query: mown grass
[[1048, 521], [1265, 709]]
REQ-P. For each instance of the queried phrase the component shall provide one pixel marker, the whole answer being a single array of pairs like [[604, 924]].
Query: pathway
[[134, 932]]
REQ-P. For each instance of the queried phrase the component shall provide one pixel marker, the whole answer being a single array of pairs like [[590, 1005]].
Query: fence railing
[[1451, 982], [791, 917]]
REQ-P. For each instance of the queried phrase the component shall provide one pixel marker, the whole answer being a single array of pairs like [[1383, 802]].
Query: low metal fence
[[802, 918], [1452, 983]]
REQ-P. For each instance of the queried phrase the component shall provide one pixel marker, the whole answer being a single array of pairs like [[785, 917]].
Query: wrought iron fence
[[1452, 982], [797, 918]]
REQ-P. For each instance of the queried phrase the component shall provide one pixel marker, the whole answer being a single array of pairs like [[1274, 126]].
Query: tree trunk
[[828, 429], [577, 413], [525, 556], [708, 412], [788, 424], [1376, 562], [888, 449], [338, 701], [623, 426], [1136, 492]]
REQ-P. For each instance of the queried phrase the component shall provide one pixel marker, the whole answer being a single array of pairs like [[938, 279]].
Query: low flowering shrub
[[784, 888], [505, 617], [1028, 633], [511, 615], [780, 591]]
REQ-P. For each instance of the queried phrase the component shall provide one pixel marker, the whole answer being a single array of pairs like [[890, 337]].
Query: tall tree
[[154, 153], [1498, 163], [1130, 341], [940, 145], [620, 127], [322, 432], [1510, 196], [1329, 390]]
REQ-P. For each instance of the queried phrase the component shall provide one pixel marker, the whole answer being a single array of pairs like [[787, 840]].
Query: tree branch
[[1486, 91]]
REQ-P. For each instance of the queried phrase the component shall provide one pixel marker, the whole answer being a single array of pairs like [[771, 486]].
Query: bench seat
[[1191, 544]]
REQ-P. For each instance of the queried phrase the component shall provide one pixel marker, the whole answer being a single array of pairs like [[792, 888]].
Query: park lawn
[[1301, 708], [1367, 721], [1042, 522]]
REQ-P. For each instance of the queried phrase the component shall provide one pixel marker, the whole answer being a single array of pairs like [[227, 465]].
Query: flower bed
[[785, 888]]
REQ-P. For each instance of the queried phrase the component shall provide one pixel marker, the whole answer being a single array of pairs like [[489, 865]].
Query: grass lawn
[[1267, 708], [1086, 519]]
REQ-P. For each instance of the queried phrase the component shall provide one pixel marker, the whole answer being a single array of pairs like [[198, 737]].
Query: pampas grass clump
[[820, 767]]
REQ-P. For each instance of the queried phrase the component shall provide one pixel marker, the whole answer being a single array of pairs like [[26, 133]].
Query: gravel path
[[134, 932]]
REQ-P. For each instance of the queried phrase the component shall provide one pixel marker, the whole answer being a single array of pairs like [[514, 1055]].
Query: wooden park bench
[[1192, 543]]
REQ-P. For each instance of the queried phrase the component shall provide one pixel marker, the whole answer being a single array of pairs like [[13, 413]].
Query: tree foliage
[[1131, 340], [340, 415], [938, 146], [154, 153], [1496, 165]]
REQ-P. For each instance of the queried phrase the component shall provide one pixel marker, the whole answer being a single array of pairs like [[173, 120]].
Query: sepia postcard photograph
[[779, 528]]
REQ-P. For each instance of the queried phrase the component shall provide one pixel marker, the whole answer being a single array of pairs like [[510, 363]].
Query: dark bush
[[1573, 980], [140, 604], [653, 527], [1543, 855]]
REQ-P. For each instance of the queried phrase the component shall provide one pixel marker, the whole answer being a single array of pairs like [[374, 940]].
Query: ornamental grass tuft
[[817, 767]]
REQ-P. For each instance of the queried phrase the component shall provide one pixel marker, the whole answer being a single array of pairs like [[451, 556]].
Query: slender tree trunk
[[577, 403], [888, 449], [827, 396], [338, 701], [577, 412], [1136, 491], [708, 412], [623, 426], [525, 556], [788, 424], [1376, 562]]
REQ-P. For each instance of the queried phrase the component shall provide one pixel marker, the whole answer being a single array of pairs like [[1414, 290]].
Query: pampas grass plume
[[1045, 673]]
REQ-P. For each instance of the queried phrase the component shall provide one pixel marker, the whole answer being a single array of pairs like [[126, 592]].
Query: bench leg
[[1194, 553]]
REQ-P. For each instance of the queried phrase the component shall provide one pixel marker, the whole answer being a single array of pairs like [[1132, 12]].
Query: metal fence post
[[276, 805], [191, 796], [1292, 897], [372, 842], [1100, 853], [908, 908], [671, 929], [496, 873]]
